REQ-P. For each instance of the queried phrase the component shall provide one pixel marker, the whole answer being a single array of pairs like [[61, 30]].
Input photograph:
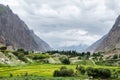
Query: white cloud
[[69, 11], [67, 22], [46, 10], [72, 37]]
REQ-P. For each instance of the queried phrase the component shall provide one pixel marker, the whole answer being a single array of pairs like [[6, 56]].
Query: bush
[[63, 72], [81, 69], [115, 56], [3, 48], [98, 73], [11, 75], [63, 68], [22, 51], [105, 73], [66, 61], [56, 73], [22, 57]]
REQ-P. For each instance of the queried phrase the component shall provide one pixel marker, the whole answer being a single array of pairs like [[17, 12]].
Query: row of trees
[[96, 73], [116, 56], [20, 53], [69, 53]]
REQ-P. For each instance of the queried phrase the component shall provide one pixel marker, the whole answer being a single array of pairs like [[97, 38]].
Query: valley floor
[[41, 72]]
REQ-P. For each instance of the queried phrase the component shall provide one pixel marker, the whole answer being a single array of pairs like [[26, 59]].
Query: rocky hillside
[[93, 47], [14, 32], [111, 40]]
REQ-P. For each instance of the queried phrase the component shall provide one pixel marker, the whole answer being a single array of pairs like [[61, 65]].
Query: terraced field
[[41, 70], [45, 70]]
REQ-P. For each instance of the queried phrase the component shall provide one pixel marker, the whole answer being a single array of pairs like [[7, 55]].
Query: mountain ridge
[[14, 32], [112, 40]]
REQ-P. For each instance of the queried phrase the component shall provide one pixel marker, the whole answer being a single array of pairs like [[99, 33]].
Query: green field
[[45, 70], [42, 70], [42, 78]]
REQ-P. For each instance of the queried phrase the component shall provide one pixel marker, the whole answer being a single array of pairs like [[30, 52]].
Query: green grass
[[85, 62], [42, 78], [43, 70]]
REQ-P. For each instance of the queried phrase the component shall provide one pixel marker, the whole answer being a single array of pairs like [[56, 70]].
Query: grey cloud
[[96, 17]]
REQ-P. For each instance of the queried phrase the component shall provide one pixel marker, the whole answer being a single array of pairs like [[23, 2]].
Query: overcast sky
[[65, 23]]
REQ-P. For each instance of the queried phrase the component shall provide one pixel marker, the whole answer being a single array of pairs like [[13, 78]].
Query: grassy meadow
[[42, 72], [41, 66]]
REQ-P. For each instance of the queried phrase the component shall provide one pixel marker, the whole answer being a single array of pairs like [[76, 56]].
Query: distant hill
[[14, 32], [79, 48], [110, 41]]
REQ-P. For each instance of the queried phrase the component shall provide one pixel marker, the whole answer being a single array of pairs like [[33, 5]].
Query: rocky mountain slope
[[93, 47], [14, 32], [111, 40]]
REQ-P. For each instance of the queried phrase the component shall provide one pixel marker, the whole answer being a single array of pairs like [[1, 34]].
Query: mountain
[[79, 48], [111, 40], [93, 47], [14, 32]]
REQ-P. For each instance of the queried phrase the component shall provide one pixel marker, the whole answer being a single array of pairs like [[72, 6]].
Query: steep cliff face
[[13, 31], [112, 40]]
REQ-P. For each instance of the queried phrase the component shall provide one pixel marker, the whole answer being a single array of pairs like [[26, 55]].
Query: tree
[[3, 48], [20, 50], [115, 56], [88, 53], [104, 73], [22, 57], [11, 75], [98, 73], [66, 61], [56, 73], [81, 69], [63, 72], [83, 54], [63, 68]]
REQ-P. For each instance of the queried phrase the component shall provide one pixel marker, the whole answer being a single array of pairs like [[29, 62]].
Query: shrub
[[98, 73], [26, 74], [22, 51], [63, 68], [22, 57], [63, 72], [81, 69], [15, 53], [11, 75], [115, 56], [79, 57], [105, 73], [66, 61], [56, 73], [89, 71], [3, 48]]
